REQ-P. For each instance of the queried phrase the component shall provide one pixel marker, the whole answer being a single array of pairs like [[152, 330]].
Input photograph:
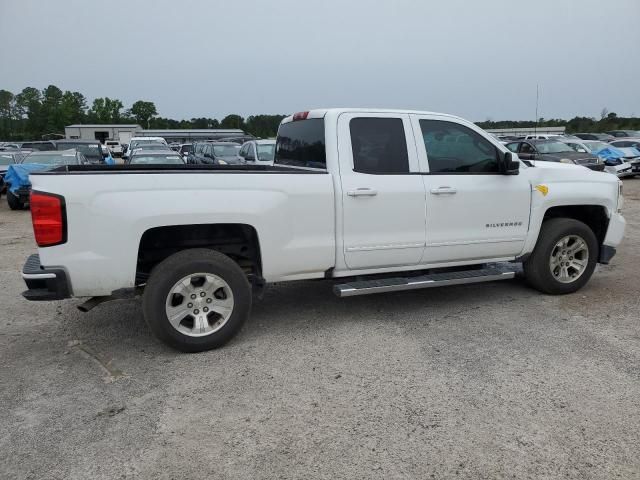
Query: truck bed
[[199, 168]]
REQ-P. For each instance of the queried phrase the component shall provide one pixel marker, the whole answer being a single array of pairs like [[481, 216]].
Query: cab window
[[379, 145], [453, 148]]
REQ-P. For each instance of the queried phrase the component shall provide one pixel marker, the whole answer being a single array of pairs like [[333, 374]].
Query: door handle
[[443, 191], [362, 192]]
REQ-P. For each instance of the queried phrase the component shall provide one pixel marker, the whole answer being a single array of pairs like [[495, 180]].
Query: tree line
[[35, 114]]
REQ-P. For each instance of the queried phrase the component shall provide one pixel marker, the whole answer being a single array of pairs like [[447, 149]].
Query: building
[[190, 135], [124, 132], [517, 132], [121, 132]]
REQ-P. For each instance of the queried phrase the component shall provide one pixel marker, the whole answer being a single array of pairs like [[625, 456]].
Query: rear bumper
[[44, 283]]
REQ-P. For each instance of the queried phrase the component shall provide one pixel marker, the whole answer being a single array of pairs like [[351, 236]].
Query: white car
[[114, 147], [371, 200], [621, 170], [258, 152], [138, 141]]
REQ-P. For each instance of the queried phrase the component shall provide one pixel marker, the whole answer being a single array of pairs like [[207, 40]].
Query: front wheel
[[564, 258], [196, 300]]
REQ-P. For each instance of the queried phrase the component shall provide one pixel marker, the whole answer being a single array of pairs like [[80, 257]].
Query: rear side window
[[454, 148], [379, 145], [301, 144]]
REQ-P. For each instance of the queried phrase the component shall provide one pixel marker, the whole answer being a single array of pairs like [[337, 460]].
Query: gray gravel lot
[[480, 381]]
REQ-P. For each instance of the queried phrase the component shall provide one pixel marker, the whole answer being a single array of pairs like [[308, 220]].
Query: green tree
[[143, 111], [106, 110], [29, 107], [72, 108], [7, 107], [232, 121]]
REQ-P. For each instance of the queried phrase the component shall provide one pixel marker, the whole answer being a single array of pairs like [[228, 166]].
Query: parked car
[[613, 158], [17, 176], [626, 143], [155, 157], [139, 141], [43, 145], [215, 153], [185, 149], [8, 158], [630, 148], [91, 149], [258, 152], [543, 136], [624, 133], [239, 139], [346, 200], [605, 137], [114, 147], [554, 151]]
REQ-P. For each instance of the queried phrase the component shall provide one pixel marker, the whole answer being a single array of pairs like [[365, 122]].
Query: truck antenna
[[535, 128]]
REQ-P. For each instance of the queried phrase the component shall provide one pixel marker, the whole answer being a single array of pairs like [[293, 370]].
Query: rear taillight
[[49, 217]]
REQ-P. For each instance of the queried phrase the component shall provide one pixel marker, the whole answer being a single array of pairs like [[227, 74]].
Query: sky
[[197, 58]]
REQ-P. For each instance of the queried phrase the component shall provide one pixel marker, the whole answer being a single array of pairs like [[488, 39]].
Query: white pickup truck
[[371, 200]]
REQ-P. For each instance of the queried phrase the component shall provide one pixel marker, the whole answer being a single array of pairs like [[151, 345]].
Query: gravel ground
[[480, 381]]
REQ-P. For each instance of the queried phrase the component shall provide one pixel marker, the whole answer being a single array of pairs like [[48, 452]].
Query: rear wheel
[[197, 300], [14, 201], [564, 257]]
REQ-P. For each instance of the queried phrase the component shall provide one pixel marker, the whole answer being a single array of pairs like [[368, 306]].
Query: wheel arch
[[238, 241], [594, 216]]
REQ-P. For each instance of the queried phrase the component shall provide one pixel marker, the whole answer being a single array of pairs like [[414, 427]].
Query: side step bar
[[365, 287]]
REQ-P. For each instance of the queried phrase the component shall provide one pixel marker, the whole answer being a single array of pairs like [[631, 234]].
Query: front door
[[383, 196], [473, 211]]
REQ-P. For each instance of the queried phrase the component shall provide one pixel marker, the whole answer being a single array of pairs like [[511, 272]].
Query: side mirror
[[510, 166]]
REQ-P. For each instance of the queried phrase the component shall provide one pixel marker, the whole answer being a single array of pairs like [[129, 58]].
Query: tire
[[14, 202], [538, 267], [171, 288]]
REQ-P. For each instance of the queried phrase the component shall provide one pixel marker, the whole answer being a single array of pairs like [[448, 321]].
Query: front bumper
[[621, 170], [615, 233], [44, 283]]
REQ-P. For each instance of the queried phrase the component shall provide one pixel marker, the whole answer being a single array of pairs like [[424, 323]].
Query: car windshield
[[225, 150], [597, 146], [144, 143], [151, 146], [553, 147], [6, 159], [92, 151], [157, 160], [266, 152], [51, 159]]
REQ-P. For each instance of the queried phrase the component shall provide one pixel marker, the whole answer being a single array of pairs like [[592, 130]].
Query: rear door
[[474, 212], [383, 195]]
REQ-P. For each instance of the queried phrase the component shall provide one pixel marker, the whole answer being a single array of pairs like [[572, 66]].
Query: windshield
[[90, 150], [145, 142], [553, 147], [597, 146], [6, 159], [157, 160], [266, 152], [225, 150], [151, 146], [52, 159]]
